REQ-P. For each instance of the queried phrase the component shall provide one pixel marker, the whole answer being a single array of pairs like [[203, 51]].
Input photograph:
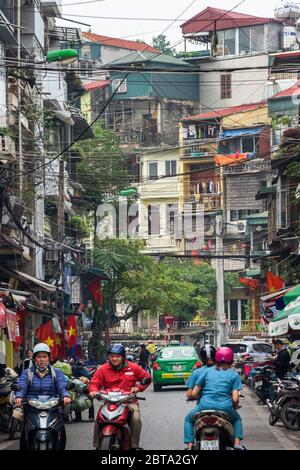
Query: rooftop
[[119, 43], [212, 19], [225, 112], [293, 90], [139, 57], [91, 86]]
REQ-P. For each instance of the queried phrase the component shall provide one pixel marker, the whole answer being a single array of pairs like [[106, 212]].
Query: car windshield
[[178, 353], [236, 348], [262, 348]]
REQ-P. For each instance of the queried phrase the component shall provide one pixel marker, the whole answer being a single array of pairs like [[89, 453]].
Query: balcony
[[249, 167], [211, 202], [200, 148], [161, 243], [161, 189], [7, 148], [236, 329]]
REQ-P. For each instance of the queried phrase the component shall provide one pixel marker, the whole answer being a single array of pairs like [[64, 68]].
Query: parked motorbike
[[213, 431], [286, 391], [43, 424], [15, 412], [290, 413], [6, 382], [114, 417], [261, 382]]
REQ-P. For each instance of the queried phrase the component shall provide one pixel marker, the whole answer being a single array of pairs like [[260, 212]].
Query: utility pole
[[220, 310], [21, 163]]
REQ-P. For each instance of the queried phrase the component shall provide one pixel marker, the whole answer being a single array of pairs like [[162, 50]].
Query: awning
[[264, 192], [98, 272], [64, 116], [27, 279], [240, 132]]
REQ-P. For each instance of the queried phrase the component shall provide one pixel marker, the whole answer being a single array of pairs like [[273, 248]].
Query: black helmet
[[117, 349], [207, 352]]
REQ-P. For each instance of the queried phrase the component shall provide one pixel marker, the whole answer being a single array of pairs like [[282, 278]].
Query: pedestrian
[[282, 359], [27, 363], [143, 356]]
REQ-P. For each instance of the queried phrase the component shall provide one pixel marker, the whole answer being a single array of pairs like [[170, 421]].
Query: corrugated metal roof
[[205, 21], [293, 90], [225, 112], [138, 57], [120, 43]]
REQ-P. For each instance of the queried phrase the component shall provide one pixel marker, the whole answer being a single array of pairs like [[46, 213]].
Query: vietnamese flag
[[274, 283], [95, 289], [251, 283], [71, 331], [45, 334]]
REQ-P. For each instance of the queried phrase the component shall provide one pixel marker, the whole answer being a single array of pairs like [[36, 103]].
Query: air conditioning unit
[[237, 227], [51, 256]]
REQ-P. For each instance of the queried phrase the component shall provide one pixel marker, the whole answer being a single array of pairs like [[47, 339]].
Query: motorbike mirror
[[15, 387], [146, 381]]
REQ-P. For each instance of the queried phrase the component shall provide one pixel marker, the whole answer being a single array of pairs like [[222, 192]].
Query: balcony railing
[[7, 147], [200, 147], [211, 202], [156, 189], [235, 328], [249, 167], [160, 241]]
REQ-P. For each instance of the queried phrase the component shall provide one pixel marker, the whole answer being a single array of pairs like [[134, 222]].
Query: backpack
[[30, 375]]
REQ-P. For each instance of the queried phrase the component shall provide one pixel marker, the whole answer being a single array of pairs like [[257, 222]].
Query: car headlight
[[40, 405]]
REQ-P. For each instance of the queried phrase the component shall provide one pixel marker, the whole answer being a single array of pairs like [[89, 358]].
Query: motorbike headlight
[[40, 405]]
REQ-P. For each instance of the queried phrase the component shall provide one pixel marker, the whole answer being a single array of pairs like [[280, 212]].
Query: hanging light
[[271, 88]]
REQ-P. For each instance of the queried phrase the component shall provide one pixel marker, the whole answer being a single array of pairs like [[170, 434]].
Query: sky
[[153, 9]]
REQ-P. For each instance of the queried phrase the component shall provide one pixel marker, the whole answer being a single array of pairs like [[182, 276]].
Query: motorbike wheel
[[290, 415], [43, 446], [107, 442], [13, 427], [273, 419], [157, 388]]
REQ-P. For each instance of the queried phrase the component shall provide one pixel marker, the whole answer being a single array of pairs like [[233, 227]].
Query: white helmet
[[41, 347]]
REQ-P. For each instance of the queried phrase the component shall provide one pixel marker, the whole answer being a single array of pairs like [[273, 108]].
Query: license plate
[[177, 367], [210, 445], [258, 384]]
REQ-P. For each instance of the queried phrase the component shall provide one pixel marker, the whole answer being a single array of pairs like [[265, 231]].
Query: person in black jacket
[[282, 359]]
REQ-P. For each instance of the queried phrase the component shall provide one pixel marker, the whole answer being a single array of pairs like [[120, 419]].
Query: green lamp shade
[[128, 192], [61, 55]]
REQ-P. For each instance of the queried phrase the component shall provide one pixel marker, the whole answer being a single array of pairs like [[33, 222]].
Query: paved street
[[163, 415]]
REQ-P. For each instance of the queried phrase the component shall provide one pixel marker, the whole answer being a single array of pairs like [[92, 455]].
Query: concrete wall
[[247, 85], [247, 119]]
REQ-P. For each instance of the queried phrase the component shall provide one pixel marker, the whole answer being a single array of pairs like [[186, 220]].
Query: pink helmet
[[224, 355]]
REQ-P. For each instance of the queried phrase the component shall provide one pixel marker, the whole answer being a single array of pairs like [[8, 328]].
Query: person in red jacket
[[118, 373]]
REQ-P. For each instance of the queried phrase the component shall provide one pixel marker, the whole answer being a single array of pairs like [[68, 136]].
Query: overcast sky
[[145, 30]]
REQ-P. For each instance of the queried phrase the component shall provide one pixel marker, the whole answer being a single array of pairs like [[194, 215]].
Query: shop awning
[[98, 272], [240, 132], [26, 278]]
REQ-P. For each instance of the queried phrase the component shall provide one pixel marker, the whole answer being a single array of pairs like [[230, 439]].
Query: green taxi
[[173, 366]]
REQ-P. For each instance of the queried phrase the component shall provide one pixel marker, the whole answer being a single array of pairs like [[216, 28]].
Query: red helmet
[[224, 355]]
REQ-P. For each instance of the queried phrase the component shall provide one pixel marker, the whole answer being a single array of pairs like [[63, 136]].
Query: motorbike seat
[[220, 414]]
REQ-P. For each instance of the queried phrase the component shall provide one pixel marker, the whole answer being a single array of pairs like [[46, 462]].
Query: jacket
[[106, 377], [42, 386], [282, 363]]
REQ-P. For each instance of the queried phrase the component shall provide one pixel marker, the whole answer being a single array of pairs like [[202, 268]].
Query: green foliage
[[231, 280], [281, 122], [293, 169], [81, 226], [102, 169], [161, 43]]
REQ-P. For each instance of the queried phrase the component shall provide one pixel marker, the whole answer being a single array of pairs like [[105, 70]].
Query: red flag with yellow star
[[45, 334], [95, 289], [71, 332]]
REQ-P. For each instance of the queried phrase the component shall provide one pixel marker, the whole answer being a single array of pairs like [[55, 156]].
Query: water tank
[[288, 37], [287, 11]]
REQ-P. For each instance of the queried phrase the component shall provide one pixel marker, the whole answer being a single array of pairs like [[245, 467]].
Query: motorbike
[[290, 412], [261, 382], [43, 424], [114, 418], [9, 379], [213, 431], [15, 413], [286, 393]]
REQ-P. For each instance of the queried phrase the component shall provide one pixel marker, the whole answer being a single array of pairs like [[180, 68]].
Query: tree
[[161, 43], [102, 170]]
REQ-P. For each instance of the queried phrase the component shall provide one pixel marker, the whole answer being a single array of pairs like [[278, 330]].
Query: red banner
[[168, 319], [95, 289], [2, 315], [71, 332], [251, 283], [274, 283], [11, 320]]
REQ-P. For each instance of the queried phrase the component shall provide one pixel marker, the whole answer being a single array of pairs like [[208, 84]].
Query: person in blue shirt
[[207, 356], [219, 387]]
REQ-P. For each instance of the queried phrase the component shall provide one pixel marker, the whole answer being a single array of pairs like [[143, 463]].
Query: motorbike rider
[[143, 357], [118, 373], [207, 356], [219, 387], [42, 382]]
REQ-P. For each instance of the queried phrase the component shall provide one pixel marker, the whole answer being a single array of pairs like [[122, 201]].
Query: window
[[262, 348], [153, 220], [120, 86], [229, 42], [171, 167], [152, 171], [236, 215], [86, 69], [251, 39], [226, 91], [244, 40], [249, 144]]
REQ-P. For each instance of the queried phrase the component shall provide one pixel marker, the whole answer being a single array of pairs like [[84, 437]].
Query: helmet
[[41, 347], [150, 341], [224, 355], [117, 349], [207, 352]]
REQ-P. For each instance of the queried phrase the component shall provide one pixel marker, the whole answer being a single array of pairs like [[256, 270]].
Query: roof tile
[[120, 43]]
